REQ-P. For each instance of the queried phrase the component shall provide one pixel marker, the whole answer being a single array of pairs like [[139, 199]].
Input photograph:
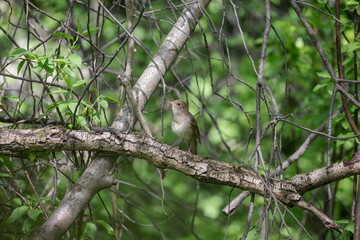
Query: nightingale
[[184, 124]]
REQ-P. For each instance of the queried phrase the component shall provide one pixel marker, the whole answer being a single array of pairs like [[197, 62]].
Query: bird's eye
[[178, 104]]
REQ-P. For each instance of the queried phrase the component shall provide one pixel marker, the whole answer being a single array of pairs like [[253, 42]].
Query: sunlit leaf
[[319, 86], [59, 60], [112, 99], [103, 103], [72, 105], [82, 122], [350, 227], [12, 98], [351, 47], [75, 59], [81, 82], [16, 52], [59, 91], [86, 32], [323, 74], [65, 35], [68, 71], [75, 47], [68, 82], [87, 105], [90, 229]]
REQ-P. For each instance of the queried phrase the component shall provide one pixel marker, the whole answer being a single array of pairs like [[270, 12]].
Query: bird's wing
[[195, 128]]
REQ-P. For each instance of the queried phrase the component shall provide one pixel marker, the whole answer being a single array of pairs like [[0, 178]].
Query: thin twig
[[134, 104], [37, 196]]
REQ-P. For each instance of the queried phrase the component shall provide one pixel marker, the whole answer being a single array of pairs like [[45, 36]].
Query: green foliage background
[[138, 193]]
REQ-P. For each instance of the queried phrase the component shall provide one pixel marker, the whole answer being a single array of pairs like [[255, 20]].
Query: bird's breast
[[182, 127]]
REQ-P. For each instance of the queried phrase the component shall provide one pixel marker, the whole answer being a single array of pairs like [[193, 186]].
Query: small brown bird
[[184, 124]]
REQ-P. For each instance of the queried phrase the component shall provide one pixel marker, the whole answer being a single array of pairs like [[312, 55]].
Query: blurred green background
[[189, 210]]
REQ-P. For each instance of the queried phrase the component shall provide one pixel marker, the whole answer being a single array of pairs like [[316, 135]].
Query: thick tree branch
[[163, 155], [113, 142]]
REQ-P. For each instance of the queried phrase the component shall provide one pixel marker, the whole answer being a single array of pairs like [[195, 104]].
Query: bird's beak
[[171, 102]]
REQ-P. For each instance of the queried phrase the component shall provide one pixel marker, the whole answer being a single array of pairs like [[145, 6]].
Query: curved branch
[[162, 155]]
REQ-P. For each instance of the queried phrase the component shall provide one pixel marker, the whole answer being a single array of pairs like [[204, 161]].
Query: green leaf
[[75, 59], [96, 119], [12, 98], [112, 99], [108, 228], [68, 82], [32, 156], [49, 109], [342, 221], [48, 66], [27, 225], [96, 92], [323, 74], [319, 86], [351, 47], [87, 105], [16, 214], [60, 60], [60, 34], [86, 32], [75, 47], [7, 163], [352, 4], [90, 229], [37, 67], [72, 106], [50, 53], [16, 52], [68, 71], [5, 175], [350, 227], [78, 23], [59, 91], [34, 213], [82, 122], [21, 64], [80, 82], [103, 103]]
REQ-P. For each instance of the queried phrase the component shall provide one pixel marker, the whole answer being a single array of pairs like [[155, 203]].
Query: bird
[[184, 125]]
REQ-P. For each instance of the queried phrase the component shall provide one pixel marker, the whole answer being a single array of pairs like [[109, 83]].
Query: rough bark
[[165, 156]]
